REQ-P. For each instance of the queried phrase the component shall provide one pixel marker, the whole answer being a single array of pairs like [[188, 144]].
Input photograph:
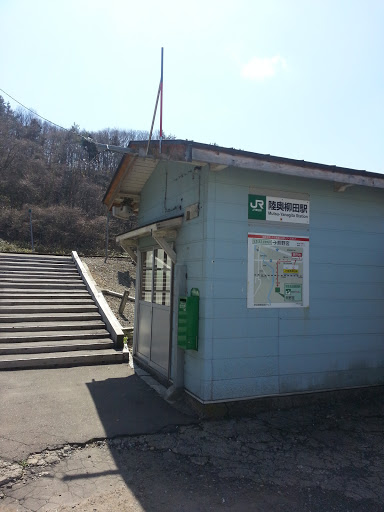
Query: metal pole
[[30, 223], [106, 237], [161, 99], [153, 119]]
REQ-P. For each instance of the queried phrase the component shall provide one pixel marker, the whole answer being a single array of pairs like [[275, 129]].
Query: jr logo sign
[[256, 207]]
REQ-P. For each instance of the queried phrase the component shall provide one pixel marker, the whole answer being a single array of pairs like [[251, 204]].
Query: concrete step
[[35, 256], [35, 264], [64, 325], [47, 316], [16, 318], [18, 267], [11, 271], [33, 293], [53, 335], [45, 301], [33, 259], [47, 308], [54, 263], [46, 284], [6, 260], [22, 279], [55, 359], [35, 347]]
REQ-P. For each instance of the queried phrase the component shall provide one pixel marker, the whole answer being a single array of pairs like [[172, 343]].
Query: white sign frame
[[279, 242], [278, 209]]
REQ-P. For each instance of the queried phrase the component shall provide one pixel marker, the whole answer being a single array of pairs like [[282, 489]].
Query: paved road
[[49, 408], [319, 458]]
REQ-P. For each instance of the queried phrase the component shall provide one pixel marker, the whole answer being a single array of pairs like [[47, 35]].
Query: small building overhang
[[163, 232], [136, 167]]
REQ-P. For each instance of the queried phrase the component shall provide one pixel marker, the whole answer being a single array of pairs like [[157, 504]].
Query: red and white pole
[[161, 98]]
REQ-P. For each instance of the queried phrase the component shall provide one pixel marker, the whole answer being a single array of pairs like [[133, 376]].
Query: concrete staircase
[[47, 316]]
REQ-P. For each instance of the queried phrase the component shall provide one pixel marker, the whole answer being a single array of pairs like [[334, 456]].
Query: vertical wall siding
[[171, 188], [339, 340], [195, 250]]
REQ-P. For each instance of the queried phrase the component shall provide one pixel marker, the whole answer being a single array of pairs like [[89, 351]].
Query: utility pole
[[106, 237], [30, 222]]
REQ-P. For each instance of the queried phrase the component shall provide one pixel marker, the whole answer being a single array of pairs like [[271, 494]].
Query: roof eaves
[[188, 151], [115, 180], [185, 148]]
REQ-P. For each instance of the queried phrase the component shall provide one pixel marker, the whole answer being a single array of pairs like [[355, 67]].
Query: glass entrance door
[[154, 310]]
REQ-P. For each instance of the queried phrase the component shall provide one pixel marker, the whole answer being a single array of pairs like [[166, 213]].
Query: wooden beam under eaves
[[217, 167], [164, 245], [129, 249], [342, 187]]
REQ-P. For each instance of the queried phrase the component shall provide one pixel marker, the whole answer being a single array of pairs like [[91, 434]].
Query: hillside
[[59, 177]]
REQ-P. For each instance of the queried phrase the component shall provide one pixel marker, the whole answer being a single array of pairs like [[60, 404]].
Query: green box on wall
[[188, 321]]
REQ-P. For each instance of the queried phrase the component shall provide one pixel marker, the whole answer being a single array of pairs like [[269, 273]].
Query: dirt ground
[[321, 458], [118, 275]]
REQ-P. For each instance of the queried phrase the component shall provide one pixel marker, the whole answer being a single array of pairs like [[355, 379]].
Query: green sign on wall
[[278, 209], [257, 207]]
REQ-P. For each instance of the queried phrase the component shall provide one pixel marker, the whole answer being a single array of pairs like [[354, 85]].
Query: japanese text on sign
[[278, 271]]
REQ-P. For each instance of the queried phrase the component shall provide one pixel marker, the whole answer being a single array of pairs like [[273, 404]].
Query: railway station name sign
[[278, 209]]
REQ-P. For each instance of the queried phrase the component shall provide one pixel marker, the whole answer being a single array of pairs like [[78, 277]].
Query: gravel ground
[[118, 275]]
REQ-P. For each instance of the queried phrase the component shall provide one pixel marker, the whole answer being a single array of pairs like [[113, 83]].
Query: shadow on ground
[[125, 279], [324, 456], [127, 406], [49, 408], [321, 457]]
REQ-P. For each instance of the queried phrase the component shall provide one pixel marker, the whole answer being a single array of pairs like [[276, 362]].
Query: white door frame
[[155, 310]]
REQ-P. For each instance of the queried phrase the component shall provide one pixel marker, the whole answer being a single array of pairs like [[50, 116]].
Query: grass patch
[[13, 247]]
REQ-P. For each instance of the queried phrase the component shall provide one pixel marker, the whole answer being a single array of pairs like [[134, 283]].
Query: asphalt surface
[[324, 456], [52, 407]]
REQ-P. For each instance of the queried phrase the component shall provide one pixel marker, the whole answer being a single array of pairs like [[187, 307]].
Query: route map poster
[[278, 271]]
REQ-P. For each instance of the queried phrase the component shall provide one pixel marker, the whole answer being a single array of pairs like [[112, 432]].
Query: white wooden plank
[[247, 162]]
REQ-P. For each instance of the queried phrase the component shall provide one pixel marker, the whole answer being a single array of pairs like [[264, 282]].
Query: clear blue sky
[[294, 78]]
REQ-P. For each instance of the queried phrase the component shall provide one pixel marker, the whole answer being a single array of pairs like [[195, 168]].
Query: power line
[[33, 112], [97, 145]]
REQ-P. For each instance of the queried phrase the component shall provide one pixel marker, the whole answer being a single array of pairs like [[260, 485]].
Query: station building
[[286, 256]]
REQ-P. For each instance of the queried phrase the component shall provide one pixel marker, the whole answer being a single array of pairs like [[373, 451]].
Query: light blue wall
[[170, 189], [337, 342], [195, 249]]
